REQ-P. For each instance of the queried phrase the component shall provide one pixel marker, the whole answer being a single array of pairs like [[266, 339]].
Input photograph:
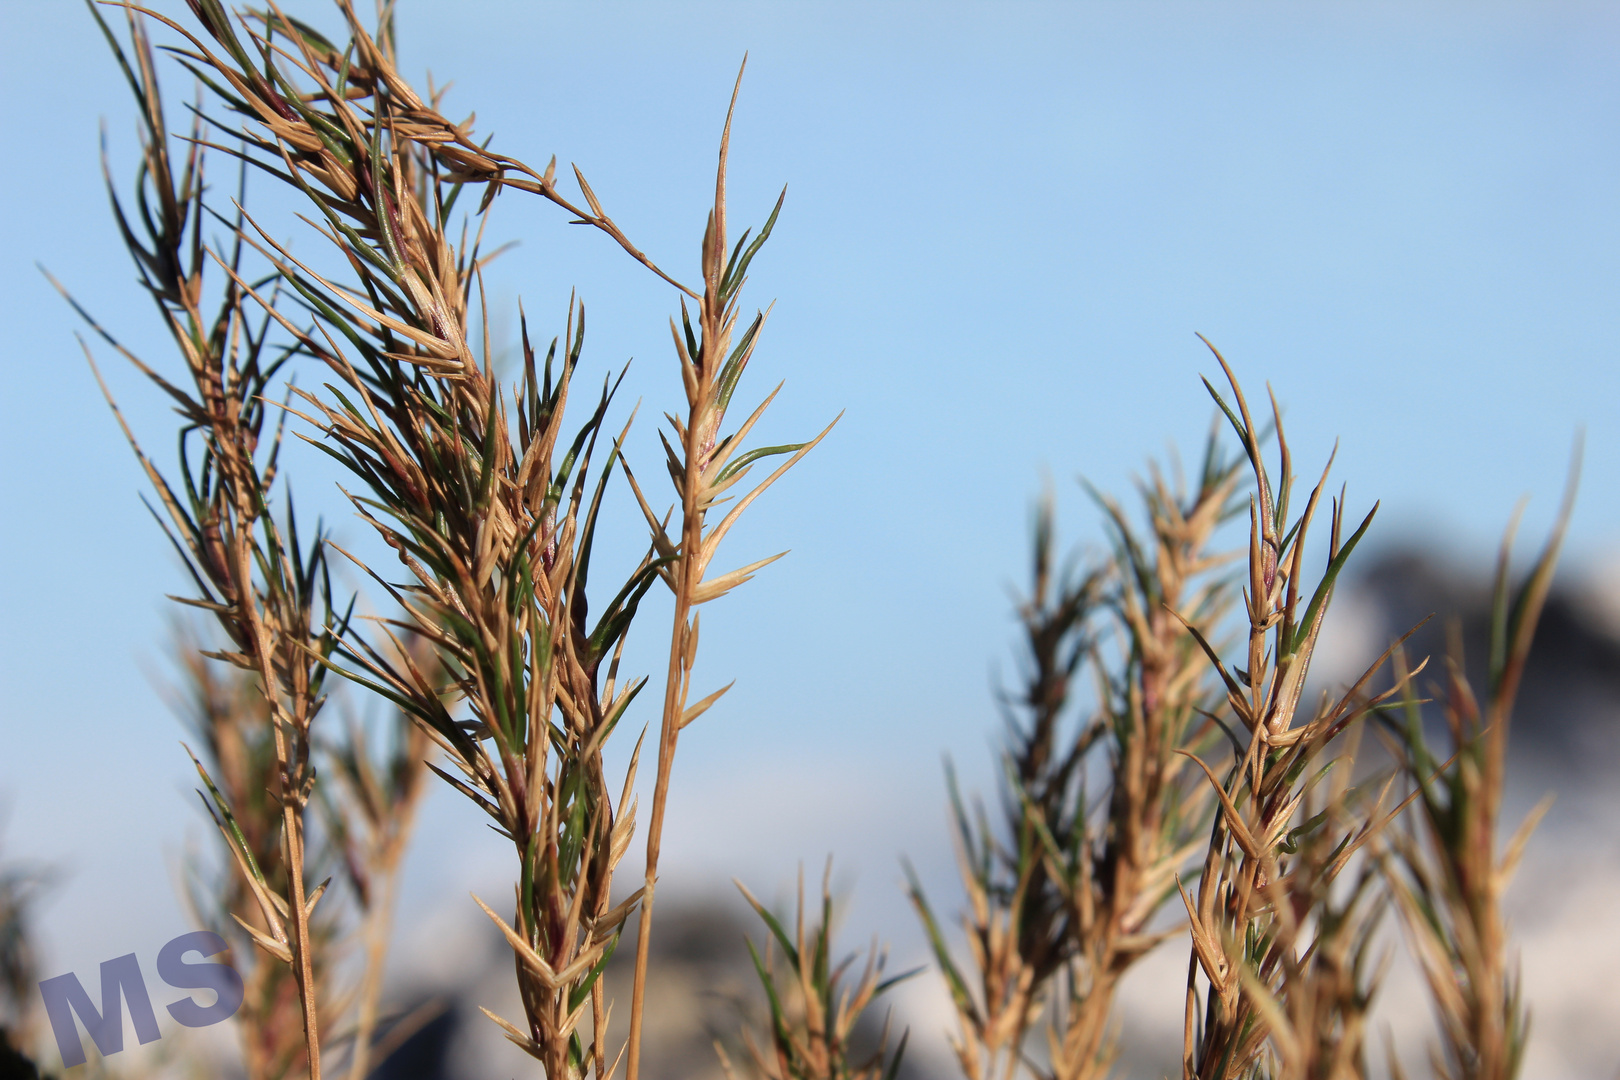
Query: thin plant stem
[[687, 575]]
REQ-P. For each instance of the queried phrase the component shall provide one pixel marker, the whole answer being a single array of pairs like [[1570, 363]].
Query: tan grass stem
[[709, 463]]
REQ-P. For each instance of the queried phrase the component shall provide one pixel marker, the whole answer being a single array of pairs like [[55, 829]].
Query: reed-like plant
[[250, 744], [1315, 1009], [505, 660], [1064, 888], [266, 587], [493, 508], [1153, 707], [365, 827], [1018, 923], [382, 781]]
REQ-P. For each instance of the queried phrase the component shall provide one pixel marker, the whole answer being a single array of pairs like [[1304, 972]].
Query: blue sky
[[1004, 225]]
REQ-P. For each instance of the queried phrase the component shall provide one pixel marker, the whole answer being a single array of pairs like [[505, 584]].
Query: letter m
[[64, 996]]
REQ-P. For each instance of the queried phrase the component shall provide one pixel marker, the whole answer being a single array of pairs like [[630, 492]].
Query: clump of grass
[[492, 498], [814, 1010], [493, 508], [1062, 891], [1284, 916]]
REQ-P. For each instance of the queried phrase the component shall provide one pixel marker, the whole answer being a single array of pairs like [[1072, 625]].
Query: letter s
[[221, 978]]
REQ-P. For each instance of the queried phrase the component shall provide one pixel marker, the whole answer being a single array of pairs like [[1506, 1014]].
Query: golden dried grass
[[492, 500]]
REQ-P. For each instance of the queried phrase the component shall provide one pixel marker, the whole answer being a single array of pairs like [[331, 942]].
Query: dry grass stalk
[[268, 592], [814, 1011], [228, 717], [1059, 910], [1152, 706], [1244, 920], [493, 519], [1449, 872], [705, 462], [1018, 925]]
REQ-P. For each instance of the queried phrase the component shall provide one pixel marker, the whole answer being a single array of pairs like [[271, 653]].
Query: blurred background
[[1004, 224]]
